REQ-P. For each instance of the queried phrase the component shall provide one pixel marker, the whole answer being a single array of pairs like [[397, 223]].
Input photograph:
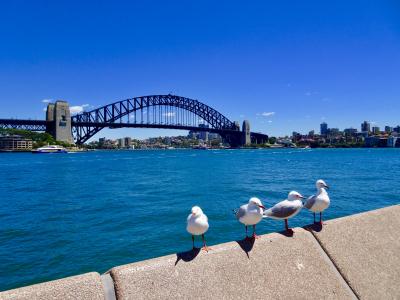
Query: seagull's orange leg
[[205, 248], [255, 236]]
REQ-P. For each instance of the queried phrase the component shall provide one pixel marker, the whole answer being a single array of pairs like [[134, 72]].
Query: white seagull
[[320, 201], [250, 214], [286, 209], [197, 224]]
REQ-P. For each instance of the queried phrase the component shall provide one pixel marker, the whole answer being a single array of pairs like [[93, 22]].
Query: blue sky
[[298, 62]]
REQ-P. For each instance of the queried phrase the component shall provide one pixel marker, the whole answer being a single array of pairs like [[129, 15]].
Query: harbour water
[[65, 214]]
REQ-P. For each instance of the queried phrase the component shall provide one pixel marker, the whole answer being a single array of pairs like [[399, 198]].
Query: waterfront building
[[397, 129], [350, 131], [296, 136], [333, 131], [365, 126], [121, 143], [324, 128], [192, 135], [214, 136], [388, 129], [376, 130], [203, 134], [128, 142], [15, 143]]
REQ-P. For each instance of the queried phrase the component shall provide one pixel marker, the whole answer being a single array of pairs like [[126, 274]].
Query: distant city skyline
[[283, 66]]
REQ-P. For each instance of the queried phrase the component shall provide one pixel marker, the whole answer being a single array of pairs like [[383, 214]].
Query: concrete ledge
[[274, 267], [366, 250], [86, 286]]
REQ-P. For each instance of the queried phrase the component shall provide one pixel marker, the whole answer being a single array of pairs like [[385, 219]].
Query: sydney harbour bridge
[[155, 111]]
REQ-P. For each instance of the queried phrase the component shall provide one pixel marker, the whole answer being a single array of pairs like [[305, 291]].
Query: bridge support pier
[[246, 139], [58, 117]]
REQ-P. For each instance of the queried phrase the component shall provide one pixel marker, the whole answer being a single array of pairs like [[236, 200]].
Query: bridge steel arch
[[87, 124]]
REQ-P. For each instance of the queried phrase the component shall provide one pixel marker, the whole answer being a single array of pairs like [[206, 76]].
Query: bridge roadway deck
[[355, 257]]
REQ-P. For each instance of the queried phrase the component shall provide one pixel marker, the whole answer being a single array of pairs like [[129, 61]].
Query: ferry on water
[[50, 149]]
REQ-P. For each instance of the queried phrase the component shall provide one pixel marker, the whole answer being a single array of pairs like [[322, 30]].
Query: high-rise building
[[376, 130], [397, 129], [324, 128], [365, 126], [350, 131], [333, 131], [204, 134], [388, 129], [121, 143], [128, 142]]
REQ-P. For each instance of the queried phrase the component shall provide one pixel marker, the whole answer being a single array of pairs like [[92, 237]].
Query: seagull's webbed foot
[[205, 248]]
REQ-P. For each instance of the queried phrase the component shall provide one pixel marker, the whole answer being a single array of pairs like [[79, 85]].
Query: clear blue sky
[[303, 61]]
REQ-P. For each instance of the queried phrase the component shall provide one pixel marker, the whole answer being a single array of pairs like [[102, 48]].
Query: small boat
[[50, 149]]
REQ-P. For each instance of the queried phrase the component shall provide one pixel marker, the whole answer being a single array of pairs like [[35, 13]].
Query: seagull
[[197, 224], [250, 214], [286, 209], [320, 201]]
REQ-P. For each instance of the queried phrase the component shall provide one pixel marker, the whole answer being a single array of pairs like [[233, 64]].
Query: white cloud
[[268, 114], [47, 100], [169, 114], [77, 109], [269, 121]]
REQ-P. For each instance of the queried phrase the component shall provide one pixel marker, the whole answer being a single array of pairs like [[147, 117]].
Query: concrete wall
[[356, 257]]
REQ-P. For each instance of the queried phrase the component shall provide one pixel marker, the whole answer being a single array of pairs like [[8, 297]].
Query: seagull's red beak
[[262, 206]]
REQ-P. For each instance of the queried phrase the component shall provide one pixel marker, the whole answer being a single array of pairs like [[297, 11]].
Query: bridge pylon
[[58, 119], [246, 138]]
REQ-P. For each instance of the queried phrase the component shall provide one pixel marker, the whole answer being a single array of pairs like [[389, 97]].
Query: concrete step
[[274, 267], [86, 286], [366, 250]]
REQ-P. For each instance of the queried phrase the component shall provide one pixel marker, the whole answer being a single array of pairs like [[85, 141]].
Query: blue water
[[65, 214]]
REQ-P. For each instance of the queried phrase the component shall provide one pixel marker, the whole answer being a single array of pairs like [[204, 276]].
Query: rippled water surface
[[65, 214]]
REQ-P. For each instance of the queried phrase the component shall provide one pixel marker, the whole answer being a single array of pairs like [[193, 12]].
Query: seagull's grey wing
[[281, 210], [240, 212], [310, 202]]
